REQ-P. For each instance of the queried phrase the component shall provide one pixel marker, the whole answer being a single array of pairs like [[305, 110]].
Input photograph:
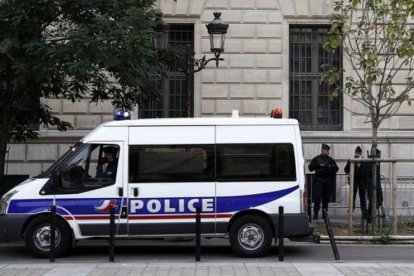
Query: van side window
[[256, 162], [171, 163], [88, 167], [96, 167]]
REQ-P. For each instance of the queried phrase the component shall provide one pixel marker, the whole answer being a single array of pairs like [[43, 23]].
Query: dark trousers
[[323, 191], [360, 187], [378, 194]]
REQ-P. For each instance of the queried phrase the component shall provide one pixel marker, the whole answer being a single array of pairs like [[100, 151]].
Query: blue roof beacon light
[[122, 114]]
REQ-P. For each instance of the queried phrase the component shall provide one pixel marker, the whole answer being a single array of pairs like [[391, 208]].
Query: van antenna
[[7, 160], [235, 114]]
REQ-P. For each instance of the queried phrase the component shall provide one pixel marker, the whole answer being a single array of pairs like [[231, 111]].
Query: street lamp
[[159, 37], [217, 30]]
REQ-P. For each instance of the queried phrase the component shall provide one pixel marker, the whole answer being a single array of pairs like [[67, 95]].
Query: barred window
[[171, 103], [309, 100]]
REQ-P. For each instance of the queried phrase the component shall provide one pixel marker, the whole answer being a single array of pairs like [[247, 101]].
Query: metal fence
[[340, 195]]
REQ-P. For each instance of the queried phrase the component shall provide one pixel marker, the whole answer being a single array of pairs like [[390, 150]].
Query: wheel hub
[[42, 237], [251, 237]]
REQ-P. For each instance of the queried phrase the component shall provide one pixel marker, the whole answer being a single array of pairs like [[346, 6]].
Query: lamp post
[[217, 30], [159, 37]]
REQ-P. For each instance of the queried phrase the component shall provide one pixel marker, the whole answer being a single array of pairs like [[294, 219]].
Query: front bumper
[[11, 227]]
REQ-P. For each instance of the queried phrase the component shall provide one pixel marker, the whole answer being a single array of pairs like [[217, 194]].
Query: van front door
[[90, 185], [171, 172]]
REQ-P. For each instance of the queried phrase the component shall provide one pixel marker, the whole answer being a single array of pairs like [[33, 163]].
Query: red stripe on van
[[96, 217], [137, 217], [143, 217]]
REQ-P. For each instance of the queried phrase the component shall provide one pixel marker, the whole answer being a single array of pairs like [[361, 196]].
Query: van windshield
[[72, 150]]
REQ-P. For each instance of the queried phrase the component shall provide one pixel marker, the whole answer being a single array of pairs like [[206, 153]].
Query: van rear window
[[256, 162]]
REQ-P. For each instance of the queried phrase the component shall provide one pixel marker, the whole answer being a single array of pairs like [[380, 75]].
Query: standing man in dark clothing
[[325, 171], [107, 166], [376, 185], [360, 181]]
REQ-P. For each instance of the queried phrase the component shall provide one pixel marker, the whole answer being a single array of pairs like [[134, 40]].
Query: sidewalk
[[207, 269]]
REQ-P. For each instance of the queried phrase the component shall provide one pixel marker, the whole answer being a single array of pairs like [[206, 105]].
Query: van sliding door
[[171, 172]]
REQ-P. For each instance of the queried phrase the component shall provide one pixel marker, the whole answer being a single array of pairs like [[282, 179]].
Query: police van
[[237, 170]]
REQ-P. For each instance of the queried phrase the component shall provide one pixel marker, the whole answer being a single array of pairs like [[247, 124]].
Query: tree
[[377, 41], [71, 49]]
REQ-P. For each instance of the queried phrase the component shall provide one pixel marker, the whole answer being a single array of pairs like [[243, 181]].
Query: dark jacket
[[324, 166], [361, 169], [110, 170]]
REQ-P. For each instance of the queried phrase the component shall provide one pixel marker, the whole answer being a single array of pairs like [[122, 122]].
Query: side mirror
[[71, 179], [56, 179]]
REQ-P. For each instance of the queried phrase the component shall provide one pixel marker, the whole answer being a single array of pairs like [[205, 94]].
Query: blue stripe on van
[[87, 206], [227, 204]]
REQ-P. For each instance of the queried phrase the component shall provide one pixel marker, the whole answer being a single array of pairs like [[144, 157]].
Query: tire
[[37, 237], [250, 236]]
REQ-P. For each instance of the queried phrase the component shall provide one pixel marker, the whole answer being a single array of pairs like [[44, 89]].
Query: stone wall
[[253, 78]]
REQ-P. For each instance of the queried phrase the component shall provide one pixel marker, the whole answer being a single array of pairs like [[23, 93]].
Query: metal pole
[[281, 234], [189, 71], [188, 98], [394, 198], [309, 199], [7, 160], [374, 197], [330, 234], [52, 233], [112, 234], [351, 198], [198, 234]]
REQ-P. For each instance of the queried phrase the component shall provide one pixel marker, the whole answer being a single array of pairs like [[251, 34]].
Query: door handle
[[120, 192], [136, 192], [124, 212]]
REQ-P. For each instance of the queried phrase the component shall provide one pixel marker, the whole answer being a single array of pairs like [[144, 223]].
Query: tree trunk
[[373, 199], [7, 111]]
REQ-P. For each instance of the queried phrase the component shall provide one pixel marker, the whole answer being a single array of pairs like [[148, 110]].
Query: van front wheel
[[38, 233], [250, 236]]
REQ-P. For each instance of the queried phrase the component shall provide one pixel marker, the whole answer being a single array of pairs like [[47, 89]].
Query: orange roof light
[[276, 113]]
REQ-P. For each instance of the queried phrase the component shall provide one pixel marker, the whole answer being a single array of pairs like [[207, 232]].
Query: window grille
[[171, 103], [309, 100]]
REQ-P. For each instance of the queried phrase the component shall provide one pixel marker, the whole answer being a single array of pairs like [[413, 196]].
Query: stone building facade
[[253, 78]]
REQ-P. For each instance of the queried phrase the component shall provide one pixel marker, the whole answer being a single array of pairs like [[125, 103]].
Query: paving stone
[[208, 268]]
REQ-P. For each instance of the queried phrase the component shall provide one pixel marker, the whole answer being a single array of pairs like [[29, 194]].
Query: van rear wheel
[[38, 234], [250, 236]]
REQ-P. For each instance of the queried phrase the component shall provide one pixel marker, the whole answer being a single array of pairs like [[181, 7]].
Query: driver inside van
[[107, 166]]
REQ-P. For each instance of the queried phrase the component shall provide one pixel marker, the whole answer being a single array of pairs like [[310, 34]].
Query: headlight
[[4, 202]]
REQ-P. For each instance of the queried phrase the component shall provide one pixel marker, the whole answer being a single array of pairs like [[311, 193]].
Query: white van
[[238, 170]]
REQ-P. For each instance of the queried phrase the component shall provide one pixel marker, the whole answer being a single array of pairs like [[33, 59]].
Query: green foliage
[[384, 234], [410, 224], [71, 49], [74, 49], [378, 44]]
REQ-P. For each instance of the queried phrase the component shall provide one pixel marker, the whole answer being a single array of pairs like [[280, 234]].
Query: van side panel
[[262, 195], [251, 134], [170, 135]]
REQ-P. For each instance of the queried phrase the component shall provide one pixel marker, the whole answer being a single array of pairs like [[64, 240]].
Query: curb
[[392, 239]]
